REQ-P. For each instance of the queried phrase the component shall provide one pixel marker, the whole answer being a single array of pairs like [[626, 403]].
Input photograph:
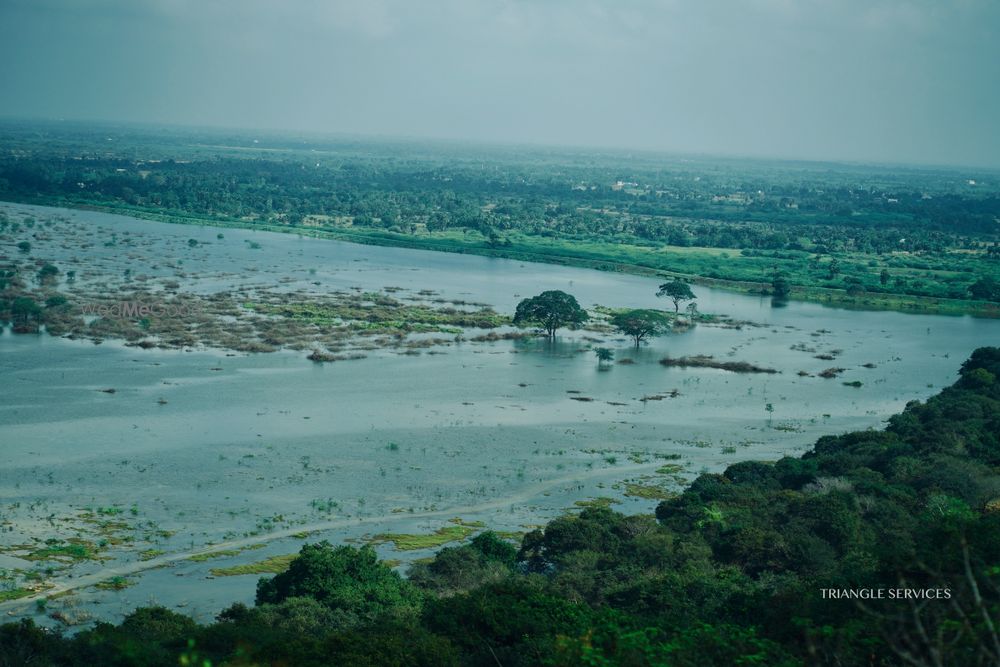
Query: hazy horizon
[[462, 142], [894, 82]]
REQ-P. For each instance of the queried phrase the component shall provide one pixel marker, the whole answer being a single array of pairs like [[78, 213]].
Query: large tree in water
[[550, 311]]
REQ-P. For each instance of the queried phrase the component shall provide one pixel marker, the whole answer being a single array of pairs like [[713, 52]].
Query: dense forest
[[874, 548], [860, 233]]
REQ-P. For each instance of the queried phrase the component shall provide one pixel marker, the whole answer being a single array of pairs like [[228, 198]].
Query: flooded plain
[[203, 460]]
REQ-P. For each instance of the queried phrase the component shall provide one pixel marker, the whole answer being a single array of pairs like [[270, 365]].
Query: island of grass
[[211, 555], [380, 312], [70, 550], [15, 594], [272, 565], [337, 326], [648, 491], [459, 530], [707, 361], [115, 584]]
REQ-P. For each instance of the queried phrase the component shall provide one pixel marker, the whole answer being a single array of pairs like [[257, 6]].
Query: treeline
[[535, 192], [289, 194], [820, 226], [736, 570], [393, 196]]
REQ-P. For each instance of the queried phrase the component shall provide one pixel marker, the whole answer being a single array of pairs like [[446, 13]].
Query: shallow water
[[251, 445]]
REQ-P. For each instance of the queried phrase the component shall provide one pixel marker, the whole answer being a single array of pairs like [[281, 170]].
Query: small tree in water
[[640, 324], [677, 291], [25, 313], [603, 355]]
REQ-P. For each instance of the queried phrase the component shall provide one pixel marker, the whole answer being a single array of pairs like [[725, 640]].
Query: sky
[[891, 81]]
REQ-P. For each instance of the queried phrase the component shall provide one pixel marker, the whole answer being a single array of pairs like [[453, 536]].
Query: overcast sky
[[868, 80]]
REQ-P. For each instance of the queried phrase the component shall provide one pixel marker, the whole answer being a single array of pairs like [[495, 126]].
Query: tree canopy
[[550, 310], [641, 324], [986, 288], [25, 313], [344, 579], [780, 287], [677, 291]]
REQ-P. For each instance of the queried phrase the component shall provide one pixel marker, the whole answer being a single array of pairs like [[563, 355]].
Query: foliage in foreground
[[731, 572]]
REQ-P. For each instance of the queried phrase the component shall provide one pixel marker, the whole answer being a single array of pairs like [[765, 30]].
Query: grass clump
[[199, 558], [15, 594], [272, 565], [115, 584], [647, 491], [69, 551], [707, 361], [411, 542], [382, 313], [597, 503]]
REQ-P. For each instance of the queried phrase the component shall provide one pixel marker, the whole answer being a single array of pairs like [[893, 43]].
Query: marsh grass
[[603, 502], [648, 491], [272, 565], [459, 530], [707, 361], [15, 594], [72, 551], [199, 558], [115, 584]]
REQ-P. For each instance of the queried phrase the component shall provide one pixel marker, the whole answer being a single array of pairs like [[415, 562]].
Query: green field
[[919, 240]]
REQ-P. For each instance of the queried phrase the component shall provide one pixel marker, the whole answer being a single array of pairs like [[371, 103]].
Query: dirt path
[[126, 569]]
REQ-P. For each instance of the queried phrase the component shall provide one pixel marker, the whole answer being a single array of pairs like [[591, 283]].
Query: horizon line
[[506, 143]]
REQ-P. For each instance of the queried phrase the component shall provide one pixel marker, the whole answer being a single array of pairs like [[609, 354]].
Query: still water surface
[[247, 445]]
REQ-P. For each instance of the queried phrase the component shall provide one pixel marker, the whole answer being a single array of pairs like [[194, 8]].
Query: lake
[[262, 452]]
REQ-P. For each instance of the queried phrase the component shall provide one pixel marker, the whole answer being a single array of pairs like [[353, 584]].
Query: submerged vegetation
[[705, 361], [71, 550], [380, 313], [333, 324], [751, 566], [408, 542], [246, 320], [272, 565]]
